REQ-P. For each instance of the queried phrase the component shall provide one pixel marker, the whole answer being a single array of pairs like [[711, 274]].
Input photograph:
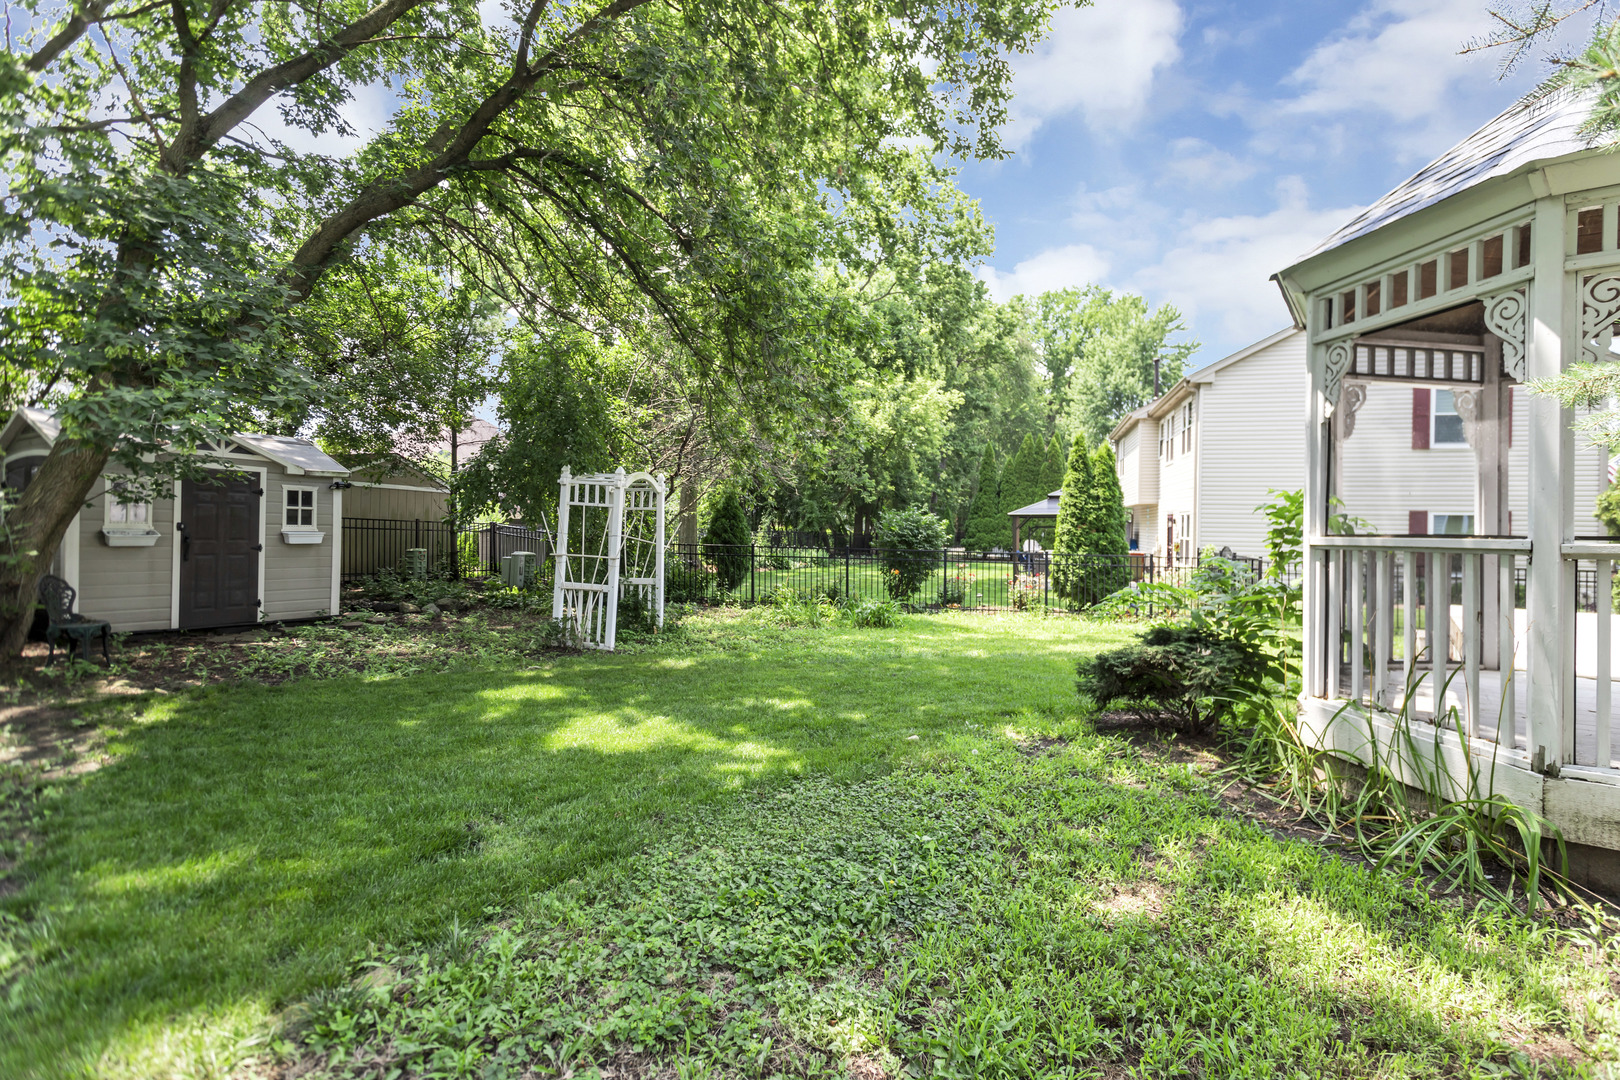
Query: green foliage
[[1098, 348], [1022, 480], [1056, 465], [1180, 673], [685, 584], [985, 522], [908, 543], [1110, 526], [1074, 524], [1285, 531], [556, 408], [873, 613], [727, 542]]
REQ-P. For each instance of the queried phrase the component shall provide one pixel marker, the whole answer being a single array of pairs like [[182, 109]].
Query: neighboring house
[[265, 542], [1194, 464], [1407, 463], [394, 488]]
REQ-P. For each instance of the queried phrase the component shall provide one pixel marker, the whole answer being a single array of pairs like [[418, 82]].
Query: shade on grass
[[244, 844]]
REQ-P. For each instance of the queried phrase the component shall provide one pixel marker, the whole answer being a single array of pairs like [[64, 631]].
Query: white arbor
[[610, 545]]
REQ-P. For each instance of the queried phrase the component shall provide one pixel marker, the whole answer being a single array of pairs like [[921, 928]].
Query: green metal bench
[[57, 596]]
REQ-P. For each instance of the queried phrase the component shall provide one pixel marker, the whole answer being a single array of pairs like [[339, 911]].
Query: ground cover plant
[[745, 849]]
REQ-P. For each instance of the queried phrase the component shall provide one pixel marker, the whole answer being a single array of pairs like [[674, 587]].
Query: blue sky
[[1187, 149]]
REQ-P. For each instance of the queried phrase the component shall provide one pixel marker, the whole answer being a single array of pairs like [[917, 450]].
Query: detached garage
[[263, 542]]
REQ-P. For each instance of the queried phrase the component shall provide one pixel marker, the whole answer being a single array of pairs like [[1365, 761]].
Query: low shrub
[[789, 607], [869, 613], [1181, 674], [685, 584]]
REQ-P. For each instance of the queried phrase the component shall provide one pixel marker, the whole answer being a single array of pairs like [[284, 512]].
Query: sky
[[1187, 150]]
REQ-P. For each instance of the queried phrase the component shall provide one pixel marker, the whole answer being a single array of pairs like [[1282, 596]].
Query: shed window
[[20, 473], [121, 514], [300, 508]]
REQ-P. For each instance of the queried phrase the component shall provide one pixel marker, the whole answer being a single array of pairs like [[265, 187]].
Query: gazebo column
[[1314, 665], [1551, 499]]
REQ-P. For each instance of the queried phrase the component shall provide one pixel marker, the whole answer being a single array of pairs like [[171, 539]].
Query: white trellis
[[610, 540]]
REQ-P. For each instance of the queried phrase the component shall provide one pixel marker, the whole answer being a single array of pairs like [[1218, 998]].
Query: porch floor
[[1490, 693]]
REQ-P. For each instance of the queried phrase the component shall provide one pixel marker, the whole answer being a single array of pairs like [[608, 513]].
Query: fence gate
[[610, 541]]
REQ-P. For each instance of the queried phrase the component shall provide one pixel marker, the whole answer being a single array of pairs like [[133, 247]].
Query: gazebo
[[1045, 510], [1485, 631]]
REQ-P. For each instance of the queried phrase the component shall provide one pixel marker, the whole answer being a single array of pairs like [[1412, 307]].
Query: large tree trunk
[[34, 530]]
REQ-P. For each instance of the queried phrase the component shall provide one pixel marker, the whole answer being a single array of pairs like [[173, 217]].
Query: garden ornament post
[[610, 544]]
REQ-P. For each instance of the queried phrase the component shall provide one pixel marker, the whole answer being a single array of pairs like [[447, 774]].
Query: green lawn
[[725, 852]]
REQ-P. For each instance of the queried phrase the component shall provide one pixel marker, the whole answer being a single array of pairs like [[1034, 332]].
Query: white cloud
[[1219, 272], [1099, 61], [1196, 163], [1398, 58], [1054, 268]]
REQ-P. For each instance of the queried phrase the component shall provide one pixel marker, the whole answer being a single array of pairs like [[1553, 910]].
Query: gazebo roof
[[1047, 507], [1532, 129]]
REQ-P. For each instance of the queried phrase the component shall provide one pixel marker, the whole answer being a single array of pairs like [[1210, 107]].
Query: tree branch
[[80, 21]]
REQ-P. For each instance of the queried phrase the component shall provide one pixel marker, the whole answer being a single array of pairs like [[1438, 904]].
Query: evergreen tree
[[1056, 466], [1073, 530], [1109, 526], [985, 520], [727, 540], [1021, 482]]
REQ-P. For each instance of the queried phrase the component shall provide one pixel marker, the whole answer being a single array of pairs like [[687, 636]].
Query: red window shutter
[[1417, 523], [1420, 418]]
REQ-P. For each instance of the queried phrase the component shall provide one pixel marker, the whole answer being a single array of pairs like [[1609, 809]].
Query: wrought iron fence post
[[753, 560], [846, 573], [1046, 590]]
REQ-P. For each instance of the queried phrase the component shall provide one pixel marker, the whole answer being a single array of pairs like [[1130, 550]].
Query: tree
[[1110, 343], [1111, 526], [403, 356], [556, 408], [600, 163], [727, 540], [985, 521], [1055, 466], [1074, 527], [1021, 481]]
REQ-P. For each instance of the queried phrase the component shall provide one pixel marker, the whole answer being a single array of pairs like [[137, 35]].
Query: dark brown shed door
[[219, 552]]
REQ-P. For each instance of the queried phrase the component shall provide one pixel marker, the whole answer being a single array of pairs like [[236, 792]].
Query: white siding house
[[1195, 463]]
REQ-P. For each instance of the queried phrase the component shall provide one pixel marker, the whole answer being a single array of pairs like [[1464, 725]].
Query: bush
[[685, 584], [727, 542], [873, 614], [1181, 674], [908, 542]]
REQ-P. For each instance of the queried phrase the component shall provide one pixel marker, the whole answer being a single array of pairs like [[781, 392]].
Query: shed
[[262, 543], [392, 487]]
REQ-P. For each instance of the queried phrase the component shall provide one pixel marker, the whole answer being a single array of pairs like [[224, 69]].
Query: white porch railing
[[1428, 625], [1437, 627]]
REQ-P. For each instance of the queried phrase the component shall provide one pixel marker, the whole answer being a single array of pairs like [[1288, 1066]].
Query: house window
[[300, 513], [120, 514], [1448, 425], [1451, 524], [1186, 427]]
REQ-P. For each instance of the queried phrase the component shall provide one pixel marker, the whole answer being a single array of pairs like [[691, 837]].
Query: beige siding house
[[1195, 463], [263, 543]]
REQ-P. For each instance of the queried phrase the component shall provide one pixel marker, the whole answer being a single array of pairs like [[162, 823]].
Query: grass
[[726, 853]]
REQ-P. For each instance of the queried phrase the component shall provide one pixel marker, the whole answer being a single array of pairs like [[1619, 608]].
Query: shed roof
[[1047, 507], [43, 423], [299, 457], [1531, 129]]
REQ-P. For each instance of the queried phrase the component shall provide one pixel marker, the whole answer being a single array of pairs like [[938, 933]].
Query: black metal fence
[[433, 548], [949, 579]]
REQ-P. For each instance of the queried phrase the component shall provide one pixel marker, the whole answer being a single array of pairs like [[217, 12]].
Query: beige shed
[[263, 543]]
